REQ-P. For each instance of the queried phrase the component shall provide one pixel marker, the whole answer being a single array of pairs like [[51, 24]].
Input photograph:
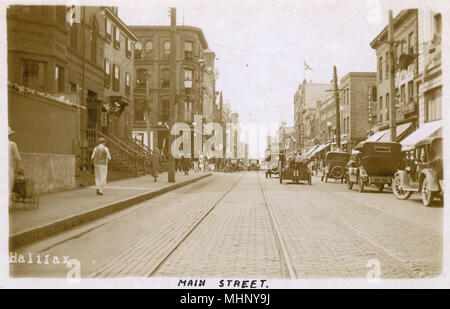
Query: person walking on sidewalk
[[101, 156], [14, 162]]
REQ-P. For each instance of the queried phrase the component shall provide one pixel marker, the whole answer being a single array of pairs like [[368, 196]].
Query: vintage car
[[272, 165], [235, 165], [253, 165], [376, 165], [424, 174], [295, 171], [335, 165]]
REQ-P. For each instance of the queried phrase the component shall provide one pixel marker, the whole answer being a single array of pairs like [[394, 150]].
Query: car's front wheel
[[398, 190], [427, 194]]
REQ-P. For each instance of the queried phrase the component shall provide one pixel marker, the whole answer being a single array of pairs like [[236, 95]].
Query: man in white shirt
[[101, 156]]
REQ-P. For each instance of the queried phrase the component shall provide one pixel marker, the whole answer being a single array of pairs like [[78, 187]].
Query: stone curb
[[41, 232]]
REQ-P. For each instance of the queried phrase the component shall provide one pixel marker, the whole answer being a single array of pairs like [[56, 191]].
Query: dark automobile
[[376, 165], [424, 175], [335, 165], [253, 165], [295, 171]]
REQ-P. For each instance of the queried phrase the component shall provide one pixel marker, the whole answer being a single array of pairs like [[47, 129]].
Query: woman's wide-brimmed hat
[[101, 140], [10, 132]]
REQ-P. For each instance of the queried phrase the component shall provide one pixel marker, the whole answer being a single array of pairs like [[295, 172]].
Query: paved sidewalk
[[63, 210]]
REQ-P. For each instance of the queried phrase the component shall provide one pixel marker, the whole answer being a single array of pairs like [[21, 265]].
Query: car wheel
[[398, 191], [427, 194], [380, 187], [361, 186]]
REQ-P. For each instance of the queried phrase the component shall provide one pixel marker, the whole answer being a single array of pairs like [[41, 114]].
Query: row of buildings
[[364, 96], [77, 73]]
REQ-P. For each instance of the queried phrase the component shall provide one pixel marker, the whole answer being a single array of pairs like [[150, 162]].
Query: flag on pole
[[307, 67]]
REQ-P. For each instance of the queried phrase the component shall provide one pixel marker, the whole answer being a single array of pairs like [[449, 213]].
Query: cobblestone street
[[222, 226]]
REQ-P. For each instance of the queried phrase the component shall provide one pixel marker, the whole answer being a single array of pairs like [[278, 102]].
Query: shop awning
[[311, 150], [403, 130], [385, 135], [425, 131], [319, 149]]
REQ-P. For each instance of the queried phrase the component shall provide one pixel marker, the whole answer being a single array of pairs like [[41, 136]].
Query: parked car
[[295, 172], [335, 165], [424, 175], [376, 165]]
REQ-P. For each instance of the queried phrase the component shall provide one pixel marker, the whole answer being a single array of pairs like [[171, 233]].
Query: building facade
[[406, 70], [152, 81], [117, 108], [305, 103], [355, 90], [429, 78]]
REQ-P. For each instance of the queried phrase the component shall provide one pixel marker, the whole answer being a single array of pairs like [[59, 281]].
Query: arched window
[[138, 50], [167, 47], [141, 78], [94, 32], [149, 46]]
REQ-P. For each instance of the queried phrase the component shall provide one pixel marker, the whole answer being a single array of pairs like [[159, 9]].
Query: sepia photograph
[[216, 144]]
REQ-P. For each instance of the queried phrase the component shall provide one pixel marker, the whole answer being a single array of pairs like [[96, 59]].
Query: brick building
[[152, 82], [406, 71], [305, 103]]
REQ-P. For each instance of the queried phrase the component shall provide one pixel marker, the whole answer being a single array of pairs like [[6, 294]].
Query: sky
[[261, 46]]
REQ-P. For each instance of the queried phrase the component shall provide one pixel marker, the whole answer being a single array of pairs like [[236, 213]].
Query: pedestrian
[[298, 162], [101, 156], [155, 163], [14, 164], [186, 165]]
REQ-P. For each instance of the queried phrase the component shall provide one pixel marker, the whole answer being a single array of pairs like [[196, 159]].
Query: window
[[94, 44], [141, 78], [380, 68], [187, 74], [128, 49], [387, 65], [411, 43], [149, 47], [433, 104], [116, 37], [387, 106], [138, 50], [403, 93], [107, 73], [165, 81], [108, 35], [139, 109], [188, 50], [74, 36], [59, 78], [127, 83], [380, 108], [166, 48], [33, 74], [438, 24], [165, 110], [116, 79], [411, 92]]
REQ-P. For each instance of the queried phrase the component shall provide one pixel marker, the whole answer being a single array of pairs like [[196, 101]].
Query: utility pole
[[338, 112], [393, 108], [173, 90]]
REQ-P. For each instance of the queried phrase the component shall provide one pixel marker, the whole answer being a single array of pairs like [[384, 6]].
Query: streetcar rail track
[[108, 270], [284, 255], [404, 265]]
